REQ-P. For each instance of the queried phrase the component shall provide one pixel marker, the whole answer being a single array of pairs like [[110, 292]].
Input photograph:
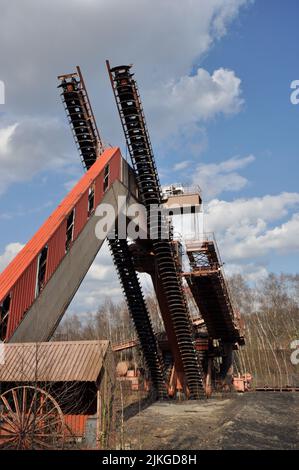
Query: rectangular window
[[106, 178], [90, 200], [4, 313], [41, 270], [70, 230]]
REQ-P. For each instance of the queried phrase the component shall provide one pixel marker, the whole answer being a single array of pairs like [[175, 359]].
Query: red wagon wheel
[[30, 418]]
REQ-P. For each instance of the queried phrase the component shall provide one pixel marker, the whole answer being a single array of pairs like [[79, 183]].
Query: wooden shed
[[56, 394]]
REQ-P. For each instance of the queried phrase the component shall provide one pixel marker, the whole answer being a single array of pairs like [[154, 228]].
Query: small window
[[90, 200], [4, 313], [41, 270], [70, 230], [106, 178]]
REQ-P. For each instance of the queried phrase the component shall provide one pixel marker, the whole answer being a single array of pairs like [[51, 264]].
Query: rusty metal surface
[[56, 249], [81, 118], [210, 290], [19, 277], [125, 345], [65, 361], [81, 214], [30, 419], [172, 302], [27, 254], [75, 425], [23, 294]]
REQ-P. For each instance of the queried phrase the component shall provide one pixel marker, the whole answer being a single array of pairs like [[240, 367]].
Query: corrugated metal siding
[[22, 296], [53, 233], [99, 181], [115, 170], [81, 210], [13, 271], [76, 425], [56, 249], [67, 361]]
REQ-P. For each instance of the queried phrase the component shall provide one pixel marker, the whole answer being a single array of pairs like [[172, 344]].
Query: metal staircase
[[210, 291]]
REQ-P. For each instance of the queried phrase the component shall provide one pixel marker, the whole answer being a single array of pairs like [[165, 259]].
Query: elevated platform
[[210, 291]]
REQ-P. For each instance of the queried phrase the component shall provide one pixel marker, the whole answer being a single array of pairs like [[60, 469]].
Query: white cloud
[[224, 215], [99, 272], [6, 134], [164, 44], [182, 165], [100, 282], [252, 272], [214, 178], [163, 39], [10, 251], [31, 146], [281, 239], [196, 98], [205, 95], [244, 234], [245, 228]]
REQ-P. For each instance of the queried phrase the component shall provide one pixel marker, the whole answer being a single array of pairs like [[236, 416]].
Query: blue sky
[[262, 49], [215, 81]]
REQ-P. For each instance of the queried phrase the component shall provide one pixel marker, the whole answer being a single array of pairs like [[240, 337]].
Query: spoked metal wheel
[[30, 418]]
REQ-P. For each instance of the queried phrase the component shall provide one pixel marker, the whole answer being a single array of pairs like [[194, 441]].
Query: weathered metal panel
[[19, 264], [22, 296], [115, 169], [56, 249], [65, 361], [81, 210], [76, 425], [115, 172], [15, 277], [98, 193]]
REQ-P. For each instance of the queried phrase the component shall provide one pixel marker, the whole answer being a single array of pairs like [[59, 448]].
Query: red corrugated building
[[27, 275]]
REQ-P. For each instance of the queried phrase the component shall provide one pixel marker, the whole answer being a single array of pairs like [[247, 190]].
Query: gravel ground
[[254, 420]]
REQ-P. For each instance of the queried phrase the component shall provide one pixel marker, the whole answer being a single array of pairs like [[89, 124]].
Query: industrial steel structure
[[38, 285]]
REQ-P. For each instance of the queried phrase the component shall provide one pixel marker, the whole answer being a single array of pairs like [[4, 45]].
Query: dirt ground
[[254, 420]]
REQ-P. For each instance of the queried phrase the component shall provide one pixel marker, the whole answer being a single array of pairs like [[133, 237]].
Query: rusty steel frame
[[30, 418], [169, 289], [76, 101]]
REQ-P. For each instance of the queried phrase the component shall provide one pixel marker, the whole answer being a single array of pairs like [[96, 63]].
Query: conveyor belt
[[87, 138], [138, 142], [138, 310], [81, 119]]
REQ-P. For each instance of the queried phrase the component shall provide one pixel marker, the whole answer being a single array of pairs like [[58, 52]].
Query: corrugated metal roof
[[64, 361], [20, 263]]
